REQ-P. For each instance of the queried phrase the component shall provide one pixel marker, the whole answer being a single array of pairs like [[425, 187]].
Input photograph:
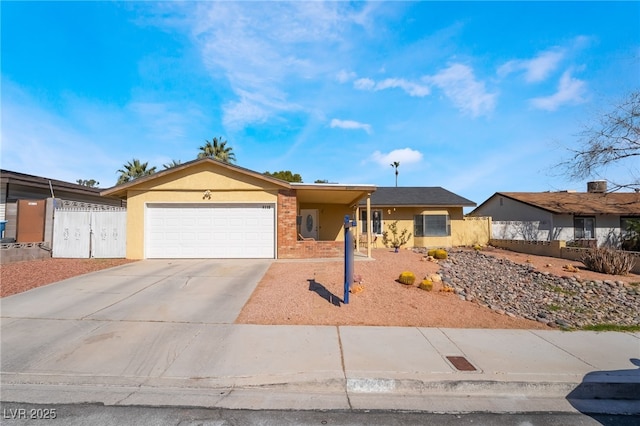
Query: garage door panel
[[210, 231]]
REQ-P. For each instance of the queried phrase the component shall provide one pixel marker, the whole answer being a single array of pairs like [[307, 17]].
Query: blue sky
[[476, 97]]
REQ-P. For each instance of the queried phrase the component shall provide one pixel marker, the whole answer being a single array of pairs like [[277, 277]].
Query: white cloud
[[460, 85], [263, 47], [570, 91], [404, 156], [350, 125], [536, 69], [411, 88], [364, 84], [344, 76], [90, 140]]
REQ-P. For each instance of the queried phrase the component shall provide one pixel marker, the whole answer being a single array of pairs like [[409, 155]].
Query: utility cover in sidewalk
[[461, 363]]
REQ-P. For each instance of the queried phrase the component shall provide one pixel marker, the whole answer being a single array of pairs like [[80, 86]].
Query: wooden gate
[[86, 233]]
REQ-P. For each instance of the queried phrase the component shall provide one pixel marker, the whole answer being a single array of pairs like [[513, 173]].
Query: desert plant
[[608, 261], [426, 284], [431, 253], [407, 278], [397, 238], [477, 247], [440, 254]]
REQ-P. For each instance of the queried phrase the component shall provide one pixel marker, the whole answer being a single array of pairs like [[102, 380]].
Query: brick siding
[[288, 245]]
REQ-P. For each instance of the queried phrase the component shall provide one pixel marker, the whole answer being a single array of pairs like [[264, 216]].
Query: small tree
[[172, 164], [91, 183], [133, 170], [285, 175], [631, 236], [398, 238], [217, 149], [396, 164]]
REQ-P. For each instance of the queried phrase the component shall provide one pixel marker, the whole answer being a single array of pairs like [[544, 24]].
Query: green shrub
[[407, 278], [394, 237], [608, 261], [440, 254], [426, 285]]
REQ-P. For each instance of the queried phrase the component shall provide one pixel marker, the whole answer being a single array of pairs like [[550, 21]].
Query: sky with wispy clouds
[[476, 97]]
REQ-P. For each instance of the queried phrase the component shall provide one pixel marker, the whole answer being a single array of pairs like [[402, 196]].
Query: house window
[[584, 228], [626, 223], [433, 225], [376, 224]]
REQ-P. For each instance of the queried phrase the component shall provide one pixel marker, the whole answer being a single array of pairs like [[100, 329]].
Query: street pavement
[[162, 333]]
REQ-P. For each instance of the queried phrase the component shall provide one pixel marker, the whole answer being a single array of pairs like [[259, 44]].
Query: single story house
[[209, 209], [592, 218], [23, 203], [433, 215]]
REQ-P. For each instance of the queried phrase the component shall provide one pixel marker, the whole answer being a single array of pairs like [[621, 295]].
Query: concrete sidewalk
[[308, 367], [161, 333]]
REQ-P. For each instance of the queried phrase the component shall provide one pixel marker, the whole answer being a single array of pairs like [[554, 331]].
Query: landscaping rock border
[[521, 290]]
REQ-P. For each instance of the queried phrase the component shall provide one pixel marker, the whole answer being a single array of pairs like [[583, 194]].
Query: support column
[[369, 225]]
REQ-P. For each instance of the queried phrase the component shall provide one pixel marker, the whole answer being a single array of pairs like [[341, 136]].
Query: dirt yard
[[304, 292], [311, 292]]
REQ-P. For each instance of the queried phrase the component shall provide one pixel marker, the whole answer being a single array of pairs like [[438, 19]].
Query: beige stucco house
[[210, 209], [433, 215]]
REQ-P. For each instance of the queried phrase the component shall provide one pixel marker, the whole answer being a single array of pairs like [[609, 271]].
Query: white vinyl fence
[[86, 233]]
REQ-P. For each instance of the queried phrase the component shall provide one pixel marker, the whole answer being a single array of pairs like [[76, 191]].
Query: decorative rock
[[521, 291]]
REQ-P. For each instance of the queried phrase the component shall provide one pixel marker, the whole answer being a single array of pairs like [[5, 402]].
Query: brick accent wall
[[288, 245], [286, 221]]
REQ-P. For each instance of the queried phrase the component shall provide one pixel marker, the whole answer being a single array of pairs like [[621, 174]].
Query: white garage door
[[192, 231]]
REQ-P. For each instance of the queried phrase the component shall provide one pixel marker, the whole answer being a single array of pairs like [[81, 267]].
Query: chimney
[[597, 186]]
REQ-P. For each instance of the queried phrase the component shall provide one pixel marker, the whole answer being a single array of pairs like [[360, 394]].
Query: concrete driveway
[[195, 291], [128, 321]]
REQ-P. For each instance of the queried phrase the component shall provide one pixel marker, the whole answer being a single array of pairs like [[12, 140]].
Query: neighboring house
[[26, 224], [433, 215], [587, 218], [209, 209]]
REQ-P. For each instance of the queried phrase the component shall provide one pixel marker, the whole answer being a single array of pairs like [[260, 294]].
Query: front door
[[309, 225]]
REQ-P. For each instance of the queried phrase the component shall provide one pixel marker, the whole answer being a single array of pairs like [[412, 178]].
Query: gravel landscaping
[[491, 289], [524, 291]]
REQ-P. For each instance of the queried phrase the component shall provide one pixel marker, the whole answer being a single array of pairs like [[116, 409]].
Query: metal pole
[[348, 257]]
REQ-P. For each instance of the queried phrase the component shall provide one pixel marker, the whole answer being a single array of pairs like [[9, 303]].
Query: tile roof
[[417, 196], [580, 203]]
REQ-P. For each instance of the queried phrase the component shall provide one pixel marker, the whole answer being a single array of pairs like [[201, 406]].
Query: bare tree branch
[[614, 138]]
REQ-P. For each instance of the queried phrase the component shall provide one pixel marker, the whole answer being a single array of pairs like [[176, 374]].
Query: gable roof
[[121, 190], [579, 203], [327, 193], [414, 196]]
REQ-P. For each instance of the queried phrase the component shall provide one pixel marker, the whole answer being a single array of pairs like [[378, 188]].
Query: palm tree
[[172, 164], [396, 164], [133, 170], [217, 149]]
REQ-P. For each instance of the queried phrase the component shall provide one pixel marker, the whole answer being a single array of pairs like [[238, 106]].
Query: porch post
[[358, 228], [369, 224]]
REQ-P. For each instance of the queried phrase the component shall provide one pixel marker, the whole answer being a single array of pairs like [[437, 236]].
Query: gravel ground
[[304, 292], [22, 276], [514, 289], [493, 289]]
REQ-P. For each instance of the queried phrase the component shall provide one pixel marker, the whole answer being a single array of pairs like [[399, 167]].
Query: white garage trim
[[210, 230]]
